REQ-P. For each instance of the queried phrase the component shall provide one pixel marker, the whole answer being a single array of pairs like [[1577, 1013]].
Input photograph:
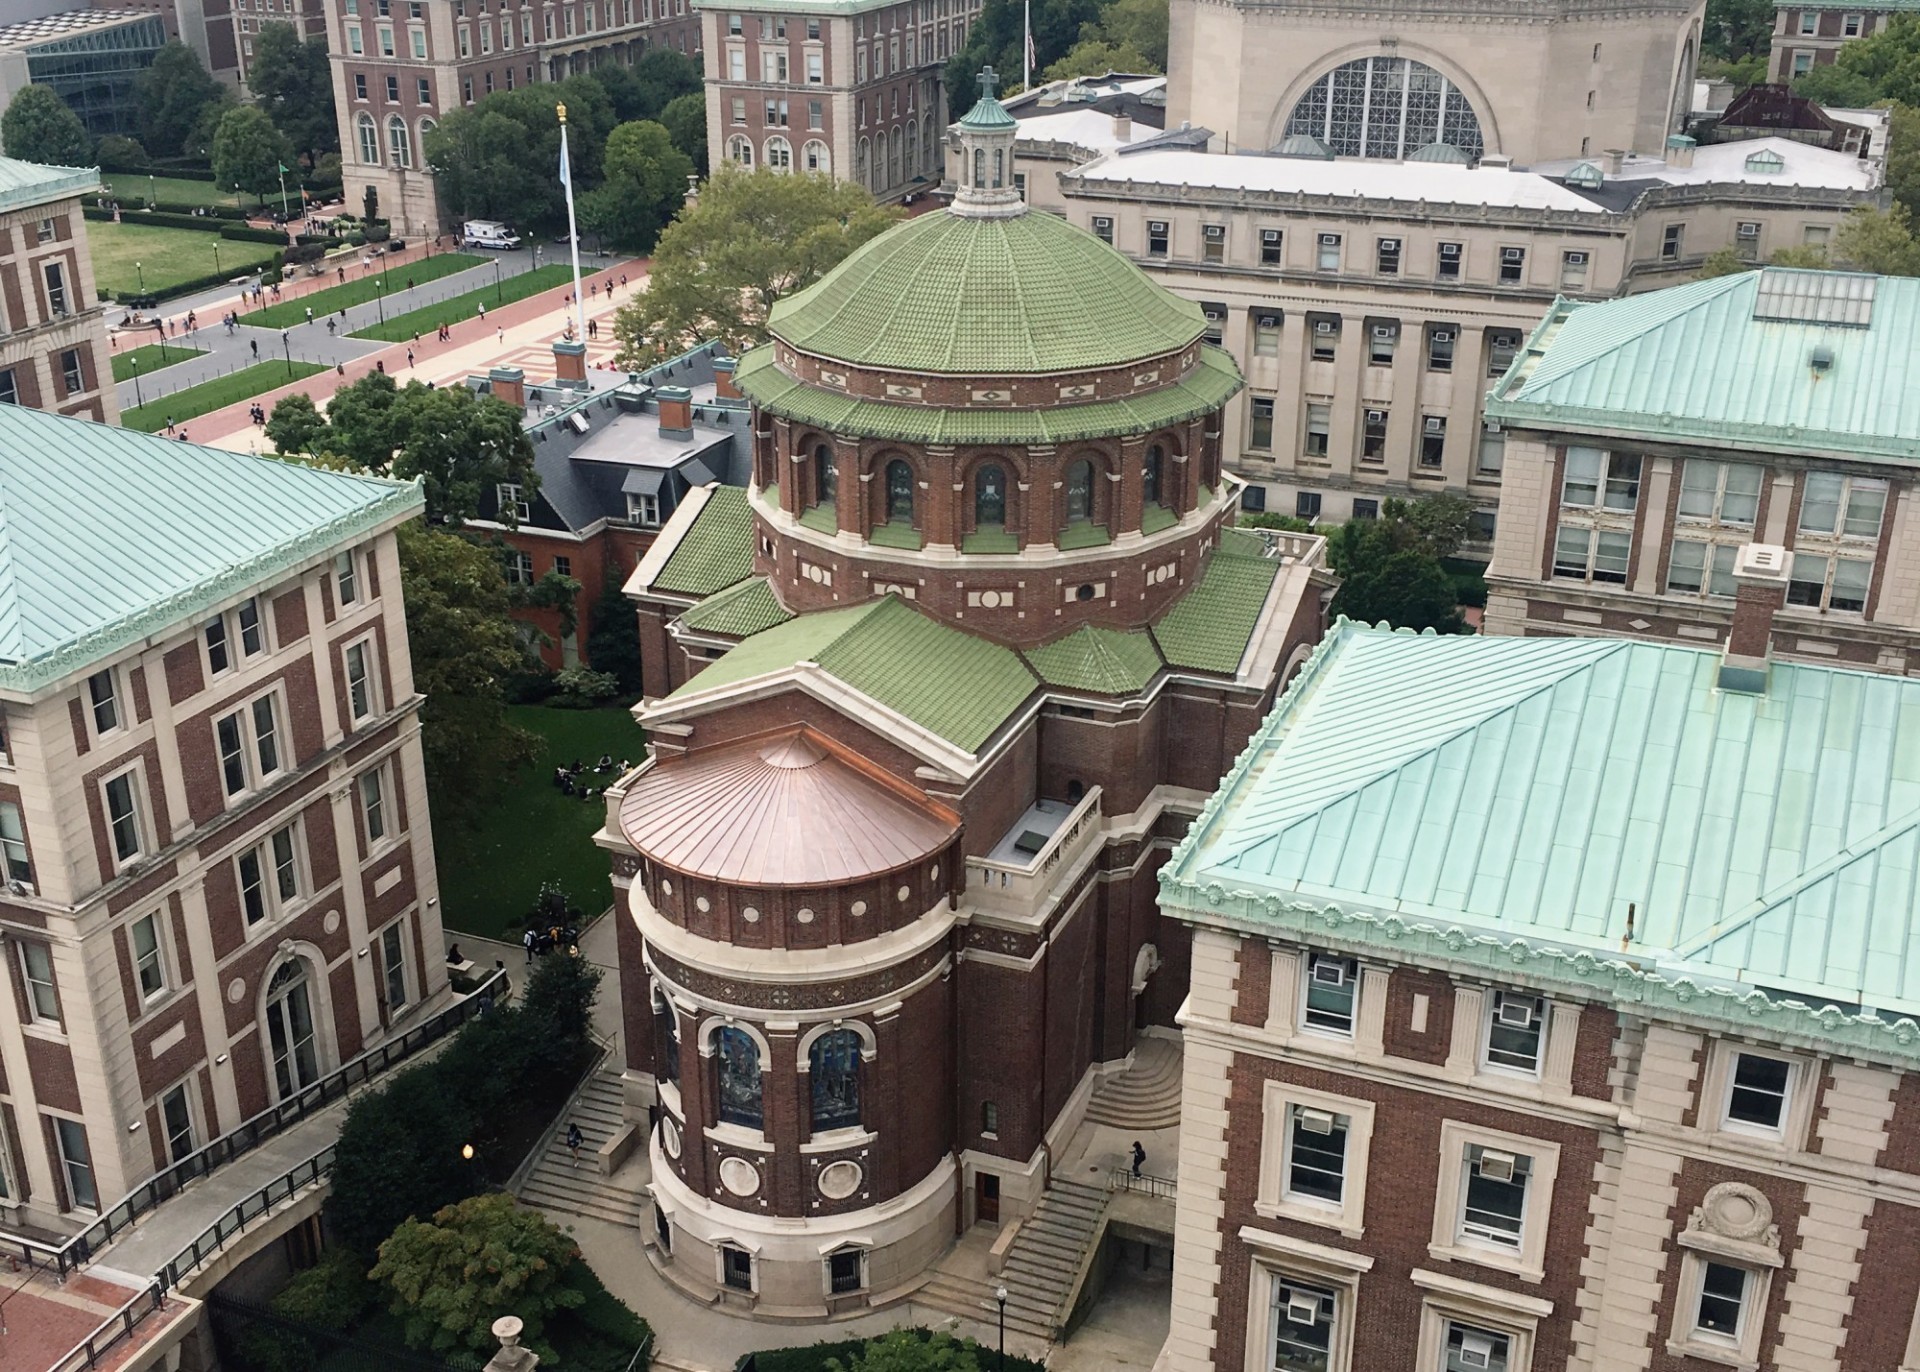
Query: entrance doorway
[[986, 1198], [296, 1063]]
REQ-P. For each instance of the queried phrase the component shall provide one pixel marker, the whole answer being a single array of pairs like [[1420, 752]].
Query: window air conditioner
[[1216, 231], [1267, 321], [1325, 326], [1316, 1121], [577, 422], [1389, 245], [1476, 1350], [1376, 416], [1449, 249], [1332, 971], [1747, 230], [1269, 235], [1576, 259], [1102, 222], [1436, 425], [1513, 254], [1496, 1166], [1302, 1308], [1329, 240], [1443, 335], [1515, 1013], [1386, 331]]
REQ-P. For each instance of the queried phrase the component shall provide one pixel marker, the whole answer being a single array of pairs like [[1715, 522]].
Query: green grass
[[166, 256], [430, 317], [359, 290], [152, 357], [216, 394], [531, 833], [131, 188]]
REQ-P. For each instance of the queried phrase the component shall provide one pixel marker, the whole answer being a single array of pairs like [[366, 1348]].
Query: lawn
[[429, 318], [131, 188], [359, 290], [531, 833], [216, 394], [151, 358], [165, 256]]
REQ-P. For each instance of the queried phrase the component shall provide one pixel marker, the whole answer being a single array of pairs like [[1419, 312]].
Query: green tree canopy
[[685, 120], [995, 39], [501, 158], [117, 153], [1871, 240], [1885, 66], [1722, 262], [1903, 156], [644, 181], [176, 94], [613, 637], [396, 1155], [248, 151], [1737, 29], [293, 82], [913, 1350], [1096, 57], [1138, 26], [661, 76], [1390, 568], [754, 238], [40, 127]]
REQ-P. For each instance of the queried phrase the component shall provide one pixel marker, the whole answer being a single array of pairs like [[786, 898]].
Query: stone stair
[[1041, 1266], [1146, 1095], [556, 1185]]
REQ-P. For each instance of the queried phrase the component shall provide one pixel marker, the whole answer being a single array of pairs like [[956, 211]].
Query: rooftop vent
[[1587, 176], [1821, 360], [1760, 589]]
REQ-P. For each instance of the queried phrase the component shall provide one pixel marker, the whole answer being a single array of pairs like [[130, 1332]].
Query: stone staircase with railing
[[1146, 1095], [556, 1185], [1041, 1269]]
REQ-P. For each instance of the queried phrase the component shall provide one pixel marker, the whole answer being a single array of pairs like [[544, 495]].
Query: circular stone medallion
[[739, 1176], [838, 1180], [332, 922], [859, 908], [670, 1137], [236, 990]]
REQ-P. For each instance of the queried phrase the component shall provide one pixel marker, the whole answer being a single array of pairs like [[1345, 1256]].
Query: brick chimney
[[508, 384], [1760, 589], [570, 363], [676, 411], [723, 387]]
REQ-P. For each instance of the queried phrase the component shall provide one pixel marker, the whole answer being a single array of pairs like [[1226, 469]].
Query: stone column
[[1130, 491], [1040, 493], [850, 491]]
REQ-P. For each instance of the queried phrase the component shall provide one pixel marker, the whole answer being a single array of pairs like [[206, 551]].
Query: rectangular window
[[1809, 22], [1723, 492], [36, 967], [843, 1272], [1701, 568], [393, 964], [1433, 441], [373, 804], [72, 373], [1216, 317], [1447, 262], [270, 876], [1261, 434], [1266, 335], [1829, 583], [1373, 436], [56, 289], [1502, 345], [77, 1164], [736, 1265], [1852, 24], [218, 658], [773, 67], [1319, 427], [816, 119], [252, 637], [739, 109], [1516, 1026], [1470, 1349], [1306, 504], [1103, 228], [1757, 1091], [1270, 246], [393, 88], [243, 768], [1382, 341], [419, 38], [1333, 986], [1670, 242], [1596, 478], [386, 41], [1440, 350], [643, 509], [355, 44], [1583, 554], [360, 680], [9, 387], [1328, 259], [360, 86], [816, 69], [1387, 256], [1302, 1326], [1158, 234], [512, 499], [1573, 271], [1316, 1161], [518, 567], [14, 858], [1366, 509], [1213, 243], [346, 581], [563, 566], [148, 968], [1326, 338], [176, 1114], [106, 705], [1513, 266], [1494, 1199], [47, 231], [123, 817], [1844, 506]]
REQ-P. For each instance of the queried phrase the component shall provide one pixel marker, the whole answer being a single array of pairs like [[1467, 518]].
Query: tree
[[1096, 57], [248, 151], [1881, 241], [117, 153], [1141, 26], [1390, 567], [1800, 255], [1737, 29], [1837, 86], [175, 93], [754, 238], [995, 39], [1722, 262], [645, 181], [661, 76], [613, 637], [501, 159], [685, 120], [292, 82], [1903, 155], [398, 1155], [558, 1005], [485, 1257], [912, 1350], [464, 646], [40, 127], [296, 426]]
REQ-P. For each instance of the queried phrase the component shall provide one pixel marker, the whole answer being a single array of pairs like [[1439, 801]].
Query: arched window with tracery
[[990, 497], [826, 476], [740, 149], [779, 154], [833, 1065], [1386, 107], [1080, 491], [1152, 473], [369, 140], [399, 142], [899, 492], [737, 1065]]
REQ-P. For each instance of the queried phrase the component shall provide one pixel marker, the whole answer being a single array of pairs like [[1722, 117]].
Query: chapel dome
[[949, 294]]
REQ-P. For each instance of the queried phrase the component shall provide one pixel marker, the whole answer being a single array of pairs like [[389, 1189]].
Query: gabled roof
[[1542, 789], [1208, 628], [1693, 362], [716, 551], [108, 536], [744, 608], [1105, 661]]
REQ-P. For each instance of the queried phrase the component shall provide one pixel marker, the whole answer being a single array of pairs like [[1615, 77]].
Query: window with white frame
[[643, 508], [1493, 1198], [269, 874], [346, 579], [149, 963], [1503, 345], [122, 796], [1701, 569], [239, 627], [1316, 1161], [76, 1164], [511, 500], [1331, 1000], [1850, 507], [1328, 256], [36, 970], [248, 740], [1596, 479], [176, 1115], [1585, 554], [104, 700], [1447, 258], [1720, 492], [1266, 334], [1313, 1164], [1827, 581], [1759, 1088], [1516, 1032], [373, 804], [393, 964], [1729, 1252], [517, 566], [360, 692], [1302, 1317], [1472, 1349], [1491, 457], [16, 863]]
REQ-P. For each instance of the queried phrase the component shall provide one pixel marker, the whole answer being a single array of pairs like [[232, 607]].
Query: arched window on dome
[[1152, 473], [826, 476], [833, 1067], [990, 498], [999, 168], [899, 492], [737, 1065], [1385, 107], [1080, 492]]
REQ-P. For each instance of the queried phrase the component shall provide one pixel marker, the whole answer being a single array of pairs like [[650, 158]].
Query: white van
[[485, 233]]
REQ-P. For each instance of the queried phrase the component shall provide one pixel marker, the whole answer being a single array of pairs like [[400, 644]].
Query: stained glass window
[[1386, 107], [739, 1060], [834, 1065], [826, 476], [1080, 491], [989, 497], [899, 492]]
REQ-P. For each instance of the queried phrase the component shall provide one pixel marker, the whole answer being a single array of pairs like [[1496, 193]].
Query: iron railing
[[1125, 1179], [270, 1123], [113, 1331]]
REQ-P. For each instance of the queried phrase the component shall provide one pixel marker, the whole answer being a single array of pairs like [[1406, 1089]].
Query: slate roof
[[1693, 362], [716, 552], [1214, 381], [107, 535], [942, 293], [1545, 787]]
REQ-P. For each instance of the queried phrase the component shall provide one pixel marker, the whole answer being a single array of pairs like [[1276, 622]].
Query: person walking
[[254, 343], [1139, 1157], [574, 1140], [309, 314], [331, 326], [409, 357], [483, 309], [527, 941]]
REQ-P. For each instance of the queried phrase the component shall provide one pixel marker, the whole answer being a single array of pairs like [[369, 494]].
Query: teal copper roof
[[1542, 788], [988, 113], [23, 184], [1776, 359], [108, 536]]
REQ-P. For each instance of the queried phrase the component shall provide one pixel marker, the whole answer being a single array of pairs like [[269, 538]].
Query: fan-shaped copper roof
[[790, 809]]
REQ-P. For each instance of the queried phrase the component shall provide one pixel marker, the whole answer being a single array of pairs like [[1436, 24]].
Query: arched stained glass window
[[738, 1060], [1385, 107], [1080, 490], [833, 1064], [1150, 474], [826, 476], [989, 497], [899, 492]]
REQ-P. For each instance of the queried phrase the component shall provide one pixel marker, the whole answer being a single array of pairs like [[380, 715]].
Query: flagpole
[[573, 230], [285, 212], [1026, 48]]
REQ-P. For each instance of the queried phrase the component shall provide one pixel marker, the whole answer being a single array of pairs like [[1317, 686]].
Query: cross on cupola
[[985, 187]]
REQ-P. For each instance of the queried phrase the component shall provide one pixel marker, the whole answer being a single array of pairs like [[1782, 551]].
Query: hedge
[[179, 170], [246, 233], [268, 271], [813, 1357], [156, 218]]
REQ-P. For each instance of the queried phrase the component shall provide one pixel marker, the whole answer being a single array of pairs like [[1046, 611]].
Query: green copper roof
[[108, 536], [716, 552], [1209, 627], [988, 114], [1545, 787], [29, 183], [986, 297], [1212, 384], [1692, 362], [1105, 661], [744, 608]]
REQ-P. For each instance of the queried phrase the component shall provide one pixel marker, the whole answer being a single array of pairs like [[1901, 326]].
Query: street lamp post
[[216, 257], [380, 294], [1000, 1295], [287, 348], [499, 296], [134, 362]]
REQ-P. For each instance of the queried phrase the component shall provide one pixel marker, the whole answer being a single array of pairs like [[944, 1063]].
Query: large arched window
[[833, 1064], [1151, 474], [1385, 107], [369, 140], [899, 492], [1080, 491], [814, 157], [826, 477], [737, 1058], [779, 154], [863, 172], [290, 1035], [399, 142], [740, 149], [990, 497]]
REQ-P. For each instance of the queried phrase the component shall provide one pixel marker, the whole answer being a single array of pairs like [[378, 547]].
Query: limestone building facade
[[1811, 35], [53, 355], [218, 870], [928, 701]]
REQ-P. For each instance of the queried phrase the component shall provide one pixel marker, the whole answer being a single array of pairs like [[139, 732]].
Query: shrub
[[306, 252], [116, 153], [246, 233], [580, 687], [333, 1293]]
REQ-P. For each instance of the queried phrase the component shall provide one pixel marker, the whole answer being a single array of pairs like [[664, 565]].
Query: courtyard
[[131, 258]]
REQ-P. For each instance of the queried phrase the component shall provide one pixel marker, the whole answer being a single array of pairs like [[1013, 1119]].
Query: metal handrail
[[269, 1123], [1124, 1179], [112, 1331]]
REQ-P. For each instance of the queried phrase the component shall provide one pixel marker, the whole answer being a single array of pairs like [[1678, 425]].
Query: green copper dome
[[987, 297]]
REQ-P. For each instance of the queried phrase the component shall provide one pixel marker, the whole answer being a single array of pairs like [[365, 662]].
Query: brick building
[[1633, 477], [53, 355], [1810, 34], [1568, 1023], [400, 65], [219, 877], [844, 89], [928, 702]]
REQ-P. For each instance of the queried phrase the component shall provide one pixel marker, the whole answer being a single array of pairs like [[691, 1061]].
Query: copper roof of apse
[[787, 809]]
